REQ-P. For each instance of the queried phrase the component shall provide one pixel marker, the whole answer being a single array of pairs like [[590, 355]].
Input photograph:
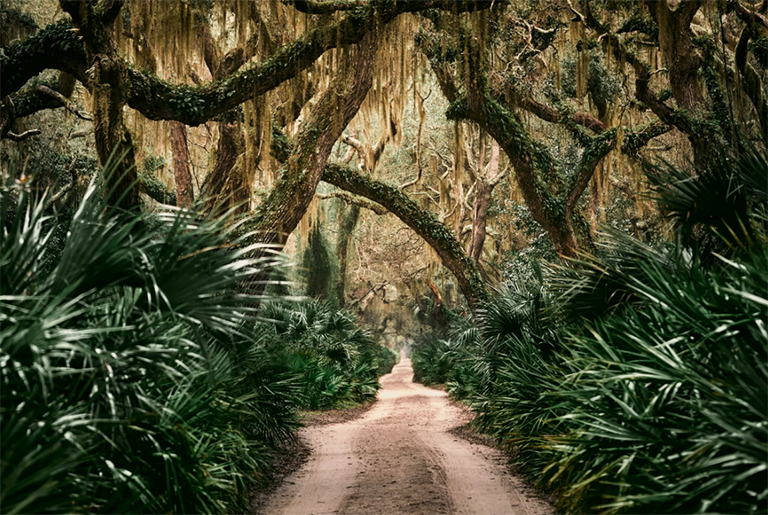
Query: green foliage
[[338, 362], [124, 383], [432, 360], [634, 381], [134, 379], [711, 208]]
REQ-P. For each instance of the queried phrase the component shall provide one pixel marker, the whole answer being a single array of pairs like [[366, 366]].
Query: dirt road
[[400, 459]]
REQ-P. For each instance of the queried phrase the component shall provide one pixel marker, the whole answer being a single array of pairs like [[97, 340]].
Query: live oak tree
[[287, 92]]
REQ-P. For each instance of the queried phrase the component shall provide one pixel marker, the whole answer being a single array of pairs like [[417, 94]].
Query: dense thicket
[[134, 379], [634, 379]]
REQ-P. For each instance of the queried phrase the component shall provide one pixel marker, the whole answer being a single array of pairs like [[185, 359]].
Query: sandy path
[[400, 459]]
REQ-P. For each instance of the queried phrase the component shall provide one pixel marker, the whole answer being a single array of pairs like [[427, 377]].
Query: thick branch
[[160, 100], [281, 212], [748, 16], [422, 221], [550, 114], [56, 46], [639, 138], [595, 152], [357, 201]]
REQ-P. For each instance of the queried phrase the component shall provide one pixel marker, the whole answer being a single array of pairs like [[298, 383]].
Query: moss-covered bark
[[289, 199], [108, 87], [422, 221], [55, 47]]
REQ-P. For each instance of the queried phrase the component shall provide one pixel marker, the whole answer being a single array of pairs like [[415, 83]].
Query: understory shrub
[[133, 377], [634, 380], [337, 361]]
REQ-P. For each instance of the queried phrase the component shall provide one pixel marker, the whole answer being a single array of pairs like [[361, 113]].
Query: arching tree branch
[[422, 221]]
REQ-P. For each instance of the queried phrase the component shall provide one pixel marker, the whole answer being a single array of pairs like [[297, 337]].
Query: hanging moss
[[319, 267]]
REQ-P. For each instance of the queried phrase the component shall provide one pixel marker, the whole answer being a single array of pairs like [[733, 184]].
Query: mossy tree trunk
[[292, 193], [682, 57], [289, 199], [108, 85]]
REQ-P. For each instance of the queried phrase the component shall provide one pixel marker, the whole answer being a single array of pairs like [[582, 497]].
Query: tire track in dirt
[[400, 459]]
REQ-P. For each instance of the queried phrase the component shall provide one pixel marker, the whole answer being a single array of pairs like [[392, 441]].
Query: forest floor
[[404, 455]]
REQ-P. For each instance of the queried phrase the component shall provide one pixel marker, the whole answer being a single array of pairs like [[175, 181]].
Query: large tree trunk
[[177, 133], [229, 147], [108, 85], [676, 43], [289, 200]]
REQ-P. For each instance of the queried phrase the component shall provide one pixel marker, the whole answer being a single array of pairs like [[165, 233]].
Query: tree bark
[[109, 86], [177, 133], [57, 47], [479, 220], [485, 185], [676, 43], [288, 201], [228, 148]]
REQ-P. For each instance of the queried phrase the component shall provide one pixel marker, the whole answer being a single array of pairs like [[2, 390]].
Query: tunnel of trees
[[519, 181]]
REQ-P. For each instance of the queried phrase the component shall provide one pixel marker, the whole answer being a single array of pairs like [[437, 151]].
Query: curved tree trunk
[[289, 200], [287, 203]]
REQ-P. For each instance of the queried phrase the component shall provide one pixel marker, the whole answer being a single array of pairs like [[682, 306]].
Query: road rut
[[399, 458]]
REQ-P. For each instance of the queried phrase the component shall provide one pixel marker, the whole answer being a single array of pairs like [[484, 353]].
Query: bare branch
[[45, 90], [358, 201], [24, 135]]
